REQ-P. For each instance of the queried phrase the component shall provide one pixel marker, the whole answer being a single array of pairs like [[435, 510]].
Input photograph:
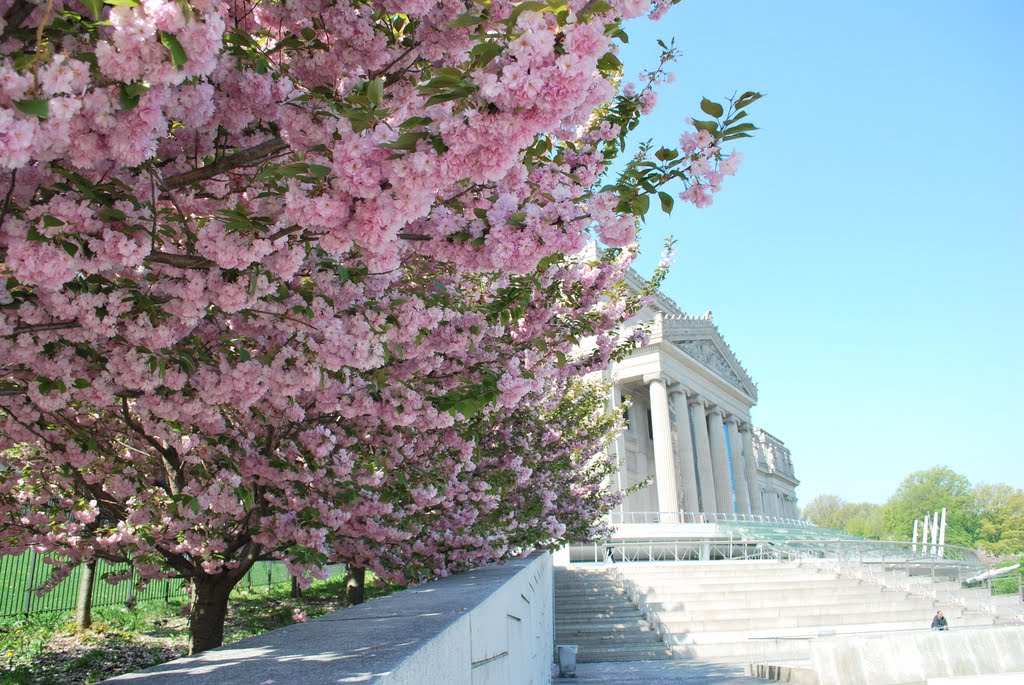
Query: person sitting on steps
[[939, 622]]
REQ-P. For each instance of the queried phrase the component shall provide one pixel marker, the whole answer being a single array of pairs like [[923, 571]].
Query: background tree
[[831, 511], [925, 492], [864, 519], [826, 511], [271, 272], [1001, 518]]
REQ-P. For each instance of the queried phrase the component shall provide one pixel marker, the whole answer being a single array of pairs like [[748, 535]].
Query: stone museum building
[[690, 433]]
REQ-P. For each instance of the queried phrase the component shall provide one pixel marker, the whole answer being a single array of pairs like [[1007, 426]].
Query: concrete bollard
[[567, 661]]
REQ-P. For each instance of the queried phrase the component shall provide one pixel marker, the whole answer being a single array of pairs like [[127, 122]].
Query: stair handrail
[[639, 600], [631, 517], [888, 563]]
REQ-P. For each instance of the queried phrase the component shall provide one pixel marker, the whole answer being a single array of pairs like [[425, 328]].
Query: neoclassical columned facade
[[689, 435]]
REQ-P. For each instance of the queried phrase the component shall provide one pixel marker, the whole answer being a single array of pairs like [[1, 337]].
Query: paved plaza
[[663, 672]]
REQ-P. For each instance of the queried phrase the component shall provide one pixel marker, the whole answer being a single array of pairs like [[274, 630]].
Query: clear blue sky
[[867, 263]]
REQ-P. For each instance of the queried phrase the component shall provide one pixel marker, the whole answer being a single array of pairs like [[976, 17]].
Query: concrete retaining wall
[[489, 626], [918, 656]]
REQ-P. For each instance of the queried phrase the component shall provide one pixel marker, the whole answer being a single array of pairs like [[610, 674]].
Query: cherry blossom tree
[[303, 280]]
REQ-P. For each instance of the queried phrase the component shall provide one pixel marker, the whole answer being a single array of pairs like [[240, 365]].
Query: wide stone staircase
[[736, 610], [593, 612]]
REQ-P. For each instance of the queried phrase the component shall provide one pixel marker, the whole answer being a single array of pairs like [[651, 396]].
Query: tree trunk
[[209, 609], [296, 590], [355, 588], [83, 608]]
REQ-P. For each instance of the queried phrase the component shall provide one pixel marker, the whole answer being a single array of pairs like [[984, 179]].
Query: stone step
[[756, 599], [641, 639], [798, 633], [585, 655], [593, 612], [748, 625], [705, 604], [590, 591], [731, 585], [599, 625], [600, 632], [592, 607], [634, 571], [771, 613]]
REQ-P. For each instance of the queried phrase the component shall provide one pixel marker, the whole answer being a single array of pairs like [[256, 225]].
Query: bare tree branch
[[242, 158], [18, 12]]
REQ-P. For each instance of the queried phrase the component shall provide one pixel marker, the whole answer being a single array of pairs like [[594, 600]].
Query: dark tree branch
[[42, 327], [181, 261], [18, 12], [7, 202], [242, 158]]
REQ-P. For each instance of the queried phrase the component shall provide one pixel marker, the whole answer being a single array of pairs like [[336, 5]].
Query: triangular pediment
[[700, 339]]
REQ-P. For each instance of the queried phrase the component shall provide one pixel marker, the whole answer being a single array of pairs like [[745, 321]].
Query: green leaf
[[709, 126], [464, 20], [739, 128], [665, 154], [609, 62], [111, 214], [51, 221], [530, 7], [319, 170], [121, 3], [594, 7], [178, 56], [734, 119], [412, 122], [640, 205], [712, 108], [748, 98], [94, 6], [39, 108], [375, 90], [245, 495], [516, 219], [667, 202], [484, 52], [406, 141], [130, 93]]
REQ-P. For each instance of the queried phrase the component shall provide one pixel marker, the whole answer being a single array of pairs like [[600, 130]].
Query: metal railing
[[628, 517], [686, 550], [22, 575], [888, 564], [903, 566]]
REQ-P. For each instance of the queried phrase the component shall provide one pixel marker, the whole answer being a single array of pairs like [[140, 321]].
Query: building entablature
[[676, 364]]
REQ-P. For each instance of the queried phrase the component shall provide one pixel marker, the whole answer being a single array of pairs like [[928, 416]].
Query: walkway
[[668, 672]]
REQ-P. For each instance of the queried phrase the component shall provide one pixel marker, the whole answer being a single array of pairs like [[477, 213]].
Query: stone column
[[737, 462], [750, 464], [699, 423], [687, 468], [719, 461], [619, 449], [664, 463]]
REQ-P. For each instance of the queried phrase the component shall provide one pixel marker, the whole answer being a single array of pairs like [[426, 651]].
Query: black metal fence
[[21, 576]]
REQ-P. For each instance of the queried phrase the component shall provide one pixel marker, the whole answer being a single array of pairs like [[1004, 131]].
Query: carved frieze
[[707, 354]]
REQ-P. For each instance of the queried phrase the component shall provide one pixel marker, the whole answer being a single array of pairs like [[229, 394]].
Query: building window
[[650, 424], [625, 399]]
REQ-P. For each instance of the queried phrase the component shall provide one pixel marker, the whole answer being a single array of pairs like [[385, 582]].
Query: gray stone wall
[[489, 626]]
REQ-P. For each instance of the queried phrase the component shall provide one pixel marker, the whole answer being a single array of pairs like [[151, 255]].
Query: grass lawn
[[44, 649]]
